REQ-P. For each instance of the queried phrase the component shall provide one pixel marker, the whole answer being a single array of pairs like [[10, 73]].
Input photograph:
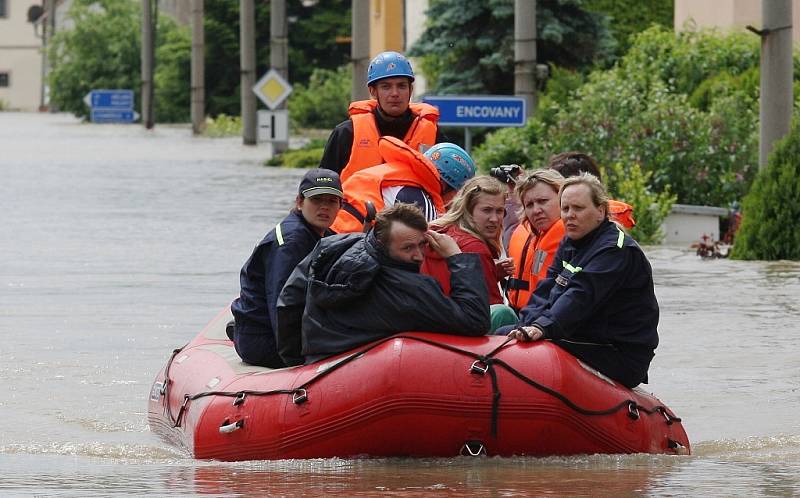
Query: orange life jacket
[[365, 153], [621, 213], [532, 255], [404, 166]]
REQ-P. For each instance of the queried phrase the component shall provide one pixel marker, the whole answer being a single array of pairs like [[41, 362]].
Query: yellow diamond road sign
[[272, 89]]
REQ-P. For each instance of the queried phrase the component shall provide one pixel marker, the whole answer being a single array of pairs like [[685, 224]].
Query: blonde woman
[[535, 240], [475, 222]]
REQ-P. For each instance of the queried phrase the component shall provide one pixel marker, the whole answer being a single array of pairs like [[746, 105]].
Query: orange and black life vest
[[532, 255], [404, 166], [622, 213], [365, 153]]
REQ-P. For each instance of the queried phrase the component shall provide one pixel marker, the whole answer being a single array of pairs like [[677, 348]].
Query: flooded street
[[118, 245]]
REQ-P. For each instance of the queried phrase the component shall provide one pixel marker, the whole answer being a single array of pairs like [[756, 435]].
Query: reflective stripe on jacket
[[365, 151], [404, 166], [532, 256]]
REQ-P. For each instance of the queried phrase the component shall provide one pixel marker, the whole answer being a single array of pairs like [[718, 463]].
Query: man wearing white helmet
[[407, 176], [353, 144]]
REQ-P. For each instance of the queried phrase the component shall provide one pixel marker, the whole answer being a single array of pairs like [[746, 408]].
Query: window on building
[[3, 8], [4, 79]]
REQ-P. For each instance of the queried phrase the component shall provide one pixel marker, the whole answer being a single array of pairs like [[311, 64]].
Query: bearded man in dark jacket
[[356, 288]]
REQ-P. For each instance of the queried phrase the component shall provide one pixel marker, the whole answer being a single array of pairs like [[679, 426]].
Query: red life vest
[[365, 153], [404, 166], [532, 256]]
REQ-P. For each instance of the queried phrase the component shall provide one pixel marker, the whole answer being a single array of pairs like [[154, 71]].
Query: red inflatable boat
[[413, 394]]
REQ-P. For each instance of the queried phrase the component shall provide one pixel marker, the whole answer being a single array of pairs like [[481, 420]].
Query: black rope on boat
[[167, 382], [239, 395], [488, 359]]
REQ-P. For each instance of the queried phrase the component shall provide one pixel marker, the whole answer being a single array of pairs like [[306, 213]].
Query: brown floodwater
[[118, 244]]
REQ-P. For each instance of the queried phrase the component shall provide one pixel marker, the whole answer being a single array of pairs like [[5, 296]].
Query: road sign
[[111, 106], [273, 126], [272, 89], [113, 116], [109, 99], [479, 110]]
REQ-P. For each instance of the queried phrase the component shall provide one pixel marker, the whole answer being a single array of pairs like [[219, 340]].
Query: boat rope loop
[[483, 364], [167, 382]]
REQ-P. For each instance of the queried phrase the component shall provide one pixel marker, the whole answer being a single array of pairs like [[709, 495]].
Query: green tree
[[313, 33], [770, 228], [102, 50], [629, 17], [468, 46]]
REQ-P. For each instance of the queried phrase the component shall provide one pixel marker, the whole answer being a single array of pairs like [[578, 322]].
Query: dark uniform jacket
[[340, 142], [599, 290], [348, 292], [262, 278]]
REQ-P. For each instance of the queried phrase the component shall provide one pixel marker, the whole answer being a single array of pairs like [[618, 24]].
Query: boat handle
[[473, 448], [227, 428], [479, 367]]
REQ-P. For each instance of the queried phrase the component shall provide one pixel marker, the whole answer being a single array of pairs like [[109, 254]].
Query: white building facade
[[20, 58]]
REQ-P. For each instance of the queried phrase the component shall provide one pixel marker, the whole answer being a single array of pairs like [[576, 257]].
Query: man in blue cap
[[272, 261], [353, 144]]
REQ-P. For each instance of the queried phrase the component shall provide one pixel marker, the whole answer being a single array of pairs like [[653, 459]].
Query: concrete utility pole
[[247, 42], [198, 87], [148, 57], [279, 52], [525, 53], [359, 49], [776, 75]]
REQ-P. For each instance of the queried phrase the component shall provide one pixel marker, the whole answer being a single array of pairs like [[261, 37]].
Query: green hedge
[[770, 228]]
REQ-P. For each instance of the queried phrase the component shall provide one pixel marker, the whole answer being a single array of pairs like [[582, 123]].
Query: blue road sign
[[479, 110], [113, 116], [111, 99]]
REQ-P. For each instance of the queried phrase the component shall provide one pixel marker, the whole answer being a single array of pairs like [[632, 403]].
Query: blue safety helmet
[[454, 164], [389, 65]]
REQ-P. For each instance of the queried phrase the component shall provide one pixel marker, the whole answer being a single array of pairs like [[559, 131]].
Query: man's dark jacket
[[262, 278], [348, 292], [599, 291]]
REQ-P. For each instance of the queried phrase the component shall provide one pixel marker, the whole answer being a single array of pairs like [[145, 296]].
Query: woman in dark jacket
[[273, 259], [597, 301]]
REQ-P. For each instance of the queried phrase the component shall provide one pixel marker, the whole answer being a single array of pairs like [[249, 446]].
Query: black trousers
[[629, 368], [255, 343]]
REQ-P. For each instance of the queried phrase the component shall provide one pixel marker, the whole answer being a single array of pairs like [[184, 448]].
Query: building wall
[[726, 14], [21, 58], [385, 26]]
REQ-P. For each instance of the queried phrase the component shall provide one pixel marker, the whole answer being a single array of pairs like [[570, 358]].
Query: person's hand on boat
[[525, 334], [505, 266], [443, 244]]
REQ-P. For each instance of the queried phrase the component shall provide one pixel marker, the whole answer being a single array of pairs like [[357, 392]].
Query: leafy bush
[[649, 209], [223, 126], [323, 102], [703, 149], [307, 157], [770, 212]]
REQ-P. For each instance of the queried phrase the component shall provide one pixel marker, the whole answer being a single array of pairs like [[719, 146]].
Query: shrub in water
[[770, 227]]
